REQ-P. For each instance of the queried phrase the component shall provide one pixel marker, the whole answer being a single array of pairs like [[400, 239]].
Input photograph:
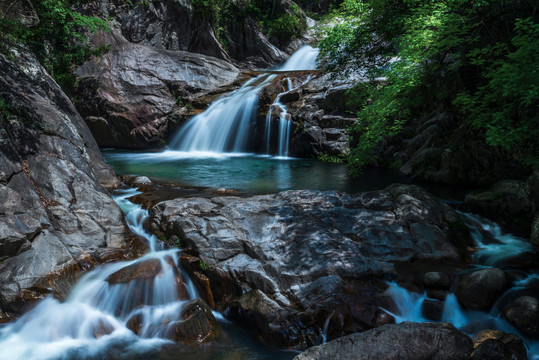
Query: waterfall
[[229, 122], [96, 313], [494, 246]]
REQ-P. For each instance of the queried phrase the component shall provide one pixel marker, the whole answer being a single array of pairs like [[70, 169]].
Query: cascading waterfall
[[494, 248], [285, 124], [228, 123], [96, 312]]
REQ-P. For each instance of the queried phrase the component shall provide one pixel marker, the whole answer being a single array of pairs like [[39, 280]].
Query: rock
[[534, 238], [260, 312], [22, 11], [138, 271], [478, 290], [437, 280], [432, 309], [321, 251], [508, 202], [169, 26], [523, 313], [495, 344], [135, 96], [56, 218], [404, 341], [143, 273], [198, 325], [136, 181]]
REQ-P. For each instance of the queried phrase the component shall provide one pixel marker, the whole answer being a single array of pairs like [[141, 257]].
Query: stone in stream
[[495, 344], [57, 218], [143, 273], [406, 341], [478, 290], [306, 253], [523, 313], [197, 326]]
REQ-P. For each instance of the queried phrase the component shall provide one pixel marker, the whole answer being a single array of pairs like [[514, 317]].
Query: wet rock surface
[[404, 341], [56, 218], [320, 112], [480, 289], [134, 96], [197, 326], [300, 256], [495, 344], [523, 313]]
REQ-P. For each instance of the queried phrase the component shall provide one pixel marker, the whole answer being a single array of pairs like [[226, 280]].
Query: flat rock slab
[[312, 251], [406, 341]]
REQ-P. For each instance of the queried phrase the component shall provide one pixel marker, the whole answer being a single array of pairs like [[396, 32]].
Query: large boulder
[[135, 96], [523, 313], [197, 325], [310, 254], [56, 218], [495, 344], [406, 341], [478, 290]]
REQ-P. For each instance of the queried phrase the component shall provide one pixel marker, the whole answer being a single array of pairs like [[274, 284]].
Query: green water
[[246, 172]]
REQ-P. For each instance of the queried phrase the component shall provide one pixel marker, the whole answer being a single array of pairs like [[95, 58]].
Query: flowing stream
[[93, 322], [227, 126], [494, 248]]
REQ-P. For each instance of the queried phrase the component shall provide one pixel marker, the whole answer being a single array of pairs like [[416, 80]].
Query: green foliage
[[278, 25], [183, 103], [5, 109], [415, 52], [506, 107], [59, 39], [330, 158], [285, 26], [203, 265]]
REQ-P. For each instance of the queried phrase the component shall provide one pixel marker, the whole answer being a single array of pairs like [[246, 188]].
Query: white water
[[228, 125], [494, 247], [95, 314], [285, 124]]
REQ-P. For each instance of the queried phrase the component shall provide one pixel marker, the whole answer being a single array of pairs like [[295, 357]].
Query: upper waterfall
[[229, 122]]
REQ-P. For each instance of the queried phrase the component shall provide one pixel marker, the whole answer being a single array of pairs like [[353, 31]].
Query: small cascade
[[494, 246], [98, 310], [228, 124], [285, 124]]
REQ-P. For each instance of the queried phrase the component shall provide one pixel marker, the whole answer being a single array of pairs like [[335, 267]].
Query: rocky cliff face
[[135, 95], [55, 215]]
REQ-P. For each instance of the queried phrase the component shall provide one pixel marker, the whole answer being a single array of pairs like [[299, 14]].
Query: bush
[[420, 50]]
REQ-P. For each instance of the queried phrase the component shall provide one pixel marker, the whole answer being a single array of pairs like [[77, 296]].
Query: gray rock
[[55, 214], [478, 290], [523, 313], [22, 11], [437, 280], [311, 249], [534, 238], [134, 96], [406, 341]]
